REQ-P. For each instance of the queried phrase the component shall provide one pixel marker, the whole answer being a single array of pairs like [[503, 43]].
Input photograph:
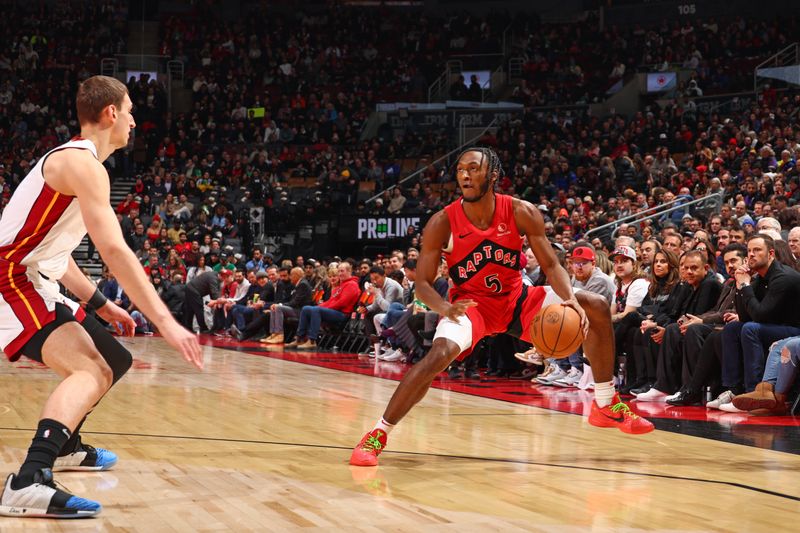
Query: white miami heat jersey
[[40, 228]]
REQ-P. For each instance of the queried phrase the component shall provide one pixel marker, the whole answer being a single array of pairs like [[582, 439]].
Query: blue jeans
[[573, 360], [774, 358], [393, 314], [241, 315], [311, 318], [743, 357]]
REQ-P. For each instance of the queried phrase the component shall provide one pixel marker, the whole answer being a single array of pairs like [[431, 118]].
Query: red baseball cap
[[583, 252]]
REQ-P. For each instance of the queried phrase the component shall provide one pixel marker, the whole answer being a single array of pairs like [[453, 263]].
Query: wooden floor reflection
[[260, 444]]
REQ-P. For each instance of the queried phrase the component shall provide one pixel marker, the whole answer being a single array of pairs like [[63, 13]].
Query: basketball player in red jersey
[[480, 236], [66, 193]]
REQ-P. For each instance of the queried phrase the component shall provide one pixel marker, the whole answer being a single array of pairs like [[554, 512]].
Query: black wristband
[[97, 300]]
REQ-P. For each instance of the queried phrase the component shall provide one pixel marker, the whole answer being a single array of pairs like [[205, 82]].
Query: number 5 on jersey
[[492, 282]]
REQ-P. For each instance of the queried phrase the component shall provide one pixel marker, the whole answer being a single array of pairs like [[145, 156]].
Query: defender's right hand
[[458, 309], [185, 342]]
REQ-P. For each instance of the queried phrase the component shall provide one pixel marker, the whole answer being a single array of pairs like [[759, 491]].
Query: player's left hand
[[573, 303], [119, 318]]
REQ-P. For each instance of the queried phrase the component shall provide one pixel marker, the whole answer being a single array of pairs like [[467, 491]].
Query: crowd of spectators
[[198, 173], [568, 64], [45, 51]]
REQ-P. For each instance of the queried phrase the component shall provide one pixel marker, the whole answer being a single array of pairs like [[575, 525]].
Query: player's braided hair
[[486, 153]]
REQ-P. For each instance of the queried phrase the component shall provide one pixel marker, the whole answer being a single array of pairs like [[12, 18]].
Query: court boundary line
[[441, 456]]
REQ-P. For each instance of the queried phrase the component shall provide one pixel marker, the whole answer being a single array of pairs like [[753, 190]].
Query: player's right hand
[[458, 309], [185, 342]]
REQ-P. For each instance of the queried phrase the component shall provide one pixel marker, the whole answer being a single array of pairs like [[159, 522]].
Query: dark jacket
[[302, 295], [173, 297], [283, 291], [206, 284], [664, 307], [252, 290], [772, 299], [725, 304], [703, 298], [267, 293]]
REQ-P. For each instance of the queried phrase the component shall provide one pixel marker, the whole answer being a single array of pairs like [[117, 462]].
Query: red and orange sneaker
[[367, 451], [619, 415]]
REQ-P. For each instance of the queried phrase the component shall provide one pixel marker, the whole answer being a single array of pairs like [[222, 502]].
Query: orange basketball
[[556, 331]]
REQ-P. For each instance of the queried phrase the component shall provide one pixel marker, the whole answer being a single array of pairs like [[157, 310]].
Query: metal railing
[[109, 67], [488, 89], [143, 62], [437, 161], [175, 77], [515, 65], [788, 56], [679, 203], [438, 90], [508, 39]]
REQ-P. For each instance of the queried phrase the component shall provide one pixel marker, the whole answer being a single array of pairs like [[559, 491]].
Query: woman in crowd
[[662, 295], [175, 265], [322, 286], [198, 269], [154, 230], [144, 252]]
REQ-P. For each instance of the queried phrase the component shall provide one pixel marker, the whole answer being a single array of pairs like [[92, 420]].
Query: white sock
[[384, 425], [377, 347], [604, 393]]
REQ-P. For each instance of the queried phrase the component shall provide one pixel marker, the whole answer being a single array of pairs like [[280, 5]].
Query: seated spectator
[[256, 261], [585, 276], [664, 291], [702, 335], [259, 294], [769, 397], [702, 289], [260, 321], [335, 310], [632, 287], [767, 311], [233, 289], [301, 296], [385, 293], [198, 269], [174, 295]]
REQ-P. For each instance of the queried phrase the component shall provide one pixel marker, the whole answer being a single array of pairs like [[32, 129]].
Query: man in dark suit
[[702, 289], [701, 333], [301, 295]]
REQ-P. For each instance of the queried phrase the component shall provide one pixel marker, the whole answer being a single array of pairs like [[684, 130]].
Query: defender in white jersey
[[66, 193]]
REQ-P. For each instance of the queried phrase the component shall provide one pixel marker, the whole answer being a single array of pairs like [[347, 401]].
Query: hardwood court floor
[[261, 444]]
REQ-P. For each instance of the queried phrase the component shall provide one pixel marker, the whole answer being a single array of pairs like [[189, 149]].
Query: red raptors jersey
[[484, 263]]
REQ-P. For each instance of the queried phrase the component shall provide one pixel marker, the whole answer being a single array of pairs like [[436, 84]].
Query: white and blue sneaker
[[86, 459], [43, 500]]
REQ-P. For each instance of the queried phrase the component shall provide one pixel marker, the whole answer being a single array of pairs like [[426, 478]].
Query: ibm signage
[[380, 228]]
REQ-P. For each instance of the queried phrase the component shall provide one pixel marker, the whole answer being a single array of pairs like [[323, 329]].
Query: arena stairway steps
[[93, 265]]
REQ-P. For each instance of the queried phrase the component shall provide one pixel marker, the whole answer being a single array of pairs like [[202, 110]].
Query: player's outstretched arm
[[78, 173], [435, 237]]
